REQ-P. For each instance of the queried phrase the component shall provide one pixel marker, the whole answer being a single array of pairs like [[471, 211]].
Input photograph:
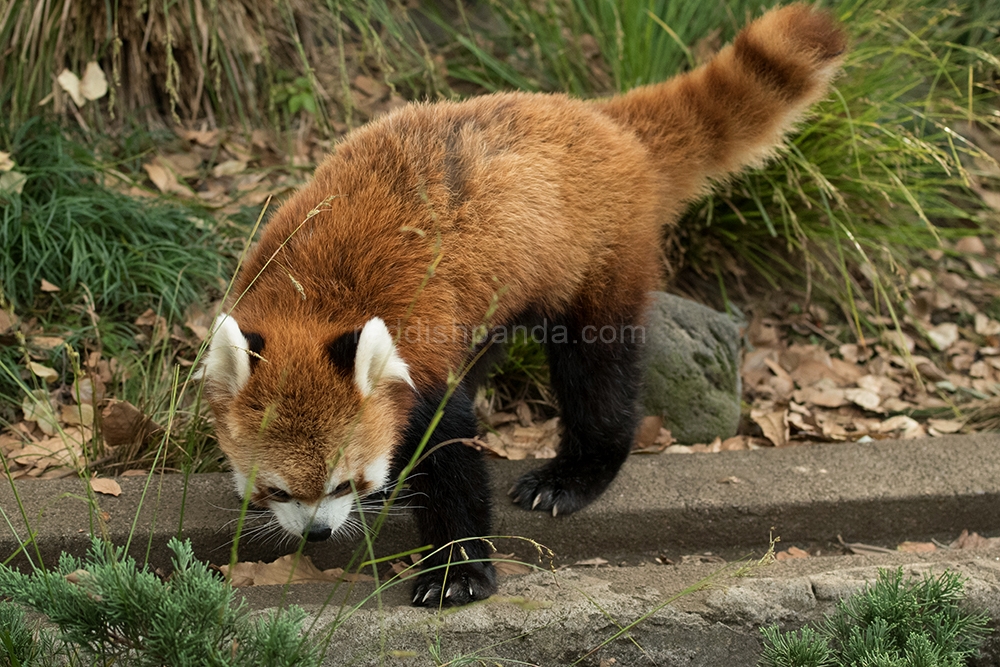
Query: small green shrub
[[893, 623], [109, 610]]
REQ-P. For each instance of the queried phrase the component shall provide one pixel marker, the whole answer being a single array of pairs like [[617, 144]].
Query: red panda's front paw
[[454, 585]]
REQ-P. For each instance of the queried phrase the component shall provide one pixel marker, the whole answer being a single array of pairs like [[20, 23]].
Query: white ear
[[227, 362], [376, 359]]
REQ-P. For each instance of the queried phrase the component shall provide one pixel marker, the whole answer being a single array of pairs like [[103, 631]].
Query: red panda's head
[[311, 416]]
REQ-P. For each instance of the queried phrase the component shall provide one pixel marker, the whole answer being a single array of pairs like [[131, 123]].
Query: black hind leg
[[595, 374]]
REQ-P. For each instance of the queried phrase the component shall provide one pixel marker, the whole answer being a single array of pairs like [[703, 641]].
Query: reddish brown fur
[[530, 204]]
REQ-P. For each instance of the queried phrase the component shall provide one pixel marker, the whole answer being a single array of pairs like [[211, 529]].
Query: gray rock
[[691, 375]]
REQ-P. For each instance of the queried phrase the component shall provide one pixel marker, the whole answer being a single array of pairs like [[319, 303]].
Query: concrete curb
[[885, 492], [882, 492], [558, 618]]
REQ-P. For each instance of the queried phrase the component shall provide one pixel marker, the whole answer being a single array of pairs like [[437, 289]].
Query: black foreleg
[[452, 503]]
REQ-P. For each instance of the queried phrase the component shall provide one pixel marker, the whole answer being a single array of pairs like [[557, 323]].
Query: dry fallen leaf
[[77, 415], [207, 138], [907, 427], [93, 85], [864, 398], [46, 286], [37, 408], [649, 429], [6, 164], [917, 547], [159, 175], [66, 449], [832, 397], [790, 553], [46, 373], [9, 443], [108, 487], [591, 562], [946, 425], [660, 440], [404, 570], [71, 84], [984, 326], [154, 326], [184, 165], [967, 540], [943, 335], [7, 322], [229, 168], [972, 245], [122, 423], [506, 564], [773, 424], [12, 182], [290, 569], [165, 180], [742, 442]]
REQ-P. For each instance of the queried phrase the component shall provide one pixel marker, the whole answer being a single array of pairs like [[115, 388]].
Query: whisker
[[248, 518], [231, 509]]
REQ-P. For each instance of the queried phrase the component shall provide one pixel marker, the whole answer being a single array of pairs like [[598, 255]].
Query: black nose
[[318, 534]]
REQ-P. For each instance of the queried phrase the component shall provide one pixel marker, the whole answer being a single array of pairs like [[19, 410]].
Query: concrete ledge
[[548, 618], [885, 491]]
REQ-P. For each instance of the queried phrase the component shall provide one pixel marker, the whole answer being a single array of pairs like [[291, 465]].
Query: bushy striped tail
[[733, 111]]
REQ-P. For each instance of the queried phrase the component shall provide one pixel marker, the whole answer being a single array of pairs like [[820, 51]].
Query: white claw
[[538, 499], [417, 595], [512, 490], [555, 510], [428, 595], [470, 591], [450, 590]]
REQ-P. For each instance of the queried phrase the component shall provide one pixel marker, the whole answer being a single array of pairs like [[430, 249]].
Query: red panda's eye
[[277, 494], [342, 488]]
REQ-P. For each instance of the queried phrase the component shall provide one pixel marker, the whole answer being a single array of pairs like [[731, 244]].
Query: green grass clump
[[111, 255], [109, 611], [67, 227], [892, 623]]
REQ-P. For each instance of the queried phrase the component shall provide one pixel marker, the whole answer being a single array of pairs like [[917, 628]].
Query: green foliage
[[19, 646], [293, 94], [893, 623], [794, 649], [108, 610], [523, 373], [70, 229], [587, 47]]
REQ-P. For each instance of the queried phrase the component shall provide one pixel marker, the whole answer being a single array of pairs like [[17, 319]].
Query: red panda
[[354, 309]]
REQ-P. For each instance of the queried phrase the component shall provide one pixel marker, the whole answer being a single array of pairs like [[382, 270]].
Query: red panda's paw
[[455, 585], [560, 488]]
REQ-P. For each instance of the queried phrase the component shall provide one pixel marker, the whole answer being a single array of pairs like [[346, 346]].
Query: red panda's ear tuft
[[376, 359], [227, 362]]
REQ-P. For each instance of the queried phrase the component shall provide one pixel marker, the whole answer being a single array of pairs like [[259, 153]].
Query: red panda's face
[[309, 425]]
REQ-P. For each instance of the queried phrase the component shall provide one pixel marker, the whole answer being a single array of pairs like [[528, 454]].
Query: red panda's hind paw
[[462, 583], [554, 489]]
